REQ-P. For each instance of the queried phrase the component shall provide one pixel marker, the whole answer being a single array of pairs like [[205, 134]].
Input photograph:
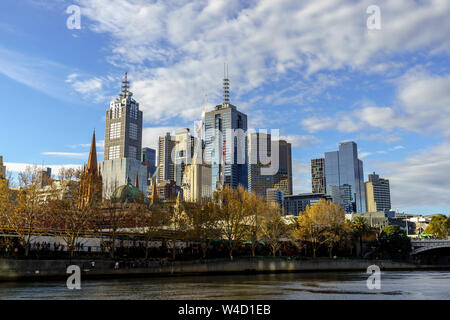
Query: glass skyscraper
[[226, 143], [344, 168]]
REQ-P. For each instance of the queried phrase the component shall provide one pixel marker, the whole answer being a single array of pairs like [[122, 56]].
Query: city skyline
[[396, 115]]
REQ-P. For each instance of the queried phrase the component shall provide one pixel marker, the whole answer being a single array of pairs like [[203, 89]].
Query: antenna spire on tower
[[126, 86], [226, 85]]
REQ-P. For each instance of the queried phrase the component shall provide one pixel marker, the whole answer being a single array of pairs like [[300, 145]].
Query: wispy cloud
[[176, 49], [20, 167], [66, 154]]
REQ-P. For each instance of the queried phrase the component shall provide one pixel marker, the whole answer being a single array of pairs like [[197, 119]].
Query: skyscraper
[[258, 144], [318, 175], [149, 159], [344, 168], [378, 195], [184, 150], [283, 179], [123, 129], [166, 166], [123, 143], [226, 143]]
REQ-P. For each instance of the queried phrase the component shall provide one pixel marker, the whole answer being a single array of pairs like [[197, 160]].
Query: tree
[[337, 229], [203, 224], [274, 228], [179, 223], [150, 222], [439, 226], [67, 212], [230, 213], [23, 213], [254, 207], [360, 227], [394, 243], [114, 217], [320, 224]]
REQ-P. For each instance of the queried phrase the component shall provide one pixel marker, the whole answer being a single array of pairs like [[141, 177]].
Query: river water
[[324, 285]]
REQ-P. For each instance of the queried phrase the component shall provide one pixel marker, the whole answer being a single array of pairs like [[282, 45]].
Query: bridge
[[419, 246]]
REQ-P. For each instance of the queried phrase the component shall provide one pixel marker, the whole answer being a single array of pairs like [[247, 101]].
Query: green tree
[[394, 243], [439, 226]]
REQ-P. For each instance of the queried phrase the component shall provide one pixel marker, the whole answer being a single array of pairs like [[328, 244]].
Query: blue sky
[[312, 70]]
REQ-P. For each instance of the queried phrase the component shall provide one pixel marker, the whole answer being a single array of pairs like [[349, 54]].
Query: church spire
[[92, 161], [136, 181]]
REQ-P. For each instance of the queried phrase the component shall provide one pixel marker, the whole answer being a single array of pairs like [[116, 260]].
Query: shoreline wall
[[36, 270]]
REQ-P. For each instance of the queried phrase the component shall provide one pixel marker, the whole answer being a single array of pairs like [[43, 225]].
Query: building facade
[[318, 175], [283, 179], [261, 150], [275, 195], [378, 195], [166, 165], [197, 182], [295, 204], [148, 158], [123, 128], [259, 144], [343, 167], [184, 149], [123, 144], [226, 143]]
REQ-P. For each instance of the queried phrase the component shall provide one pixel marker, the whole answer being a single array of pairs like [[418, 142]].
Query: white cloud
[[150, 135], [422, 105], [300, 140], [190, 41], [67, 154], [422, 179], [20, 167], [99, 144]]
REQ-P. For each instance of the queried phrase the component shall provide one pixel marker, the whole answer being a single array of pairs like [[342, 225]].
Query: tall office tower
[[226, 143], [165, 170], [259, 144], [378, 195], [184, 150], [148, 158], [123, 143], [344, 168], [318, 175], [283, 179], [123, 130], [2, 169]]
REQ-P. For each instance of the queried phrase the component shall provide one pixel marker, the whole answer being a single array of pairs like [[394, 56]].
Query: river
[[324, 285]]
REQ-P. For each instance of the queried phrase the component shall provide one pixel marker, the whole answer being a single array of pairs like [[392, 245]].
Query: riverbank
[[36, 270]]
